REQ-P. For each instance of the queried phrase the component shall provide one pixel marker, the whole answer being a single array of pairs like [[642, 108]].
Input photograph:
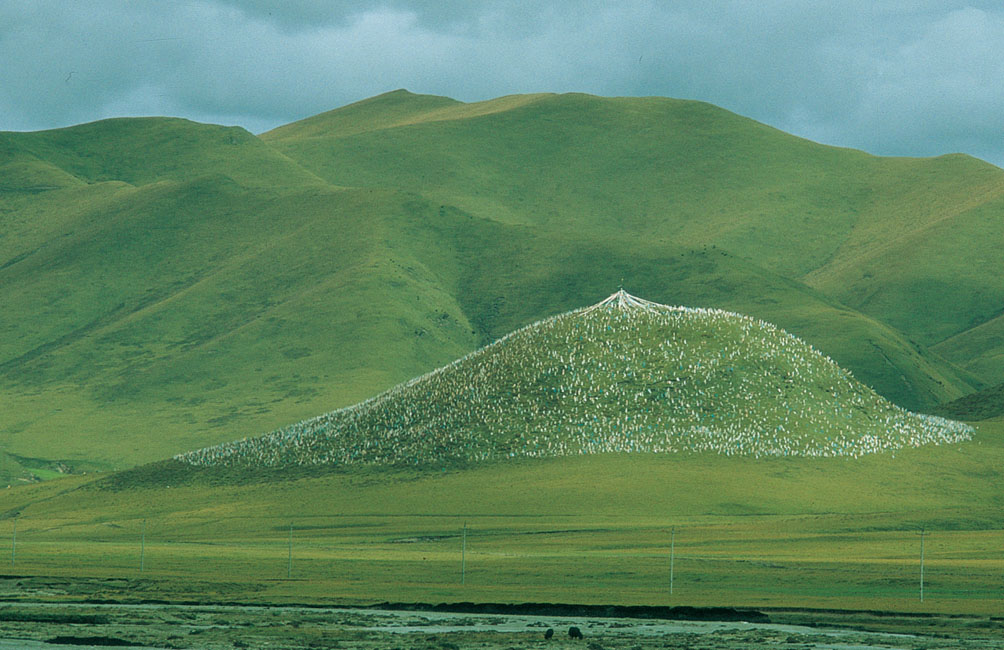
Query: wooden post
[[463, 557], [672, 559], [289, 564], [922, 565], [142, 548], [13, 543]]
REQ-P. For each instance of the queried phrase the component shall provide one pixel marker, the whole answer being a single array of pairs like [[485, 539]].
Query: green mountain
[[140, 151], [625, 375], [168, 285], [910, 242]]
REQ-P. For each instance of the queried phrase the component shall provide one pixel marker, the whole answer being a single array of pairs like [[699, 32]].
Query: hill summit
[[624, 375]]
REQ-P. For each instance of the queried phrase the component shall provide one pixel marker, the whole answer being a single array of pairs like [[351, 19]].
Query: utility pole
[[672, 558], [142, 548], [922, 565], [289, 564], [463, 557]]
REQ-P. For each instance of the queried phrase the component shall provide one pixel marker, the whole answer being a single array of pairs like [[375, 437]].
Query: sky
[[892, 77]]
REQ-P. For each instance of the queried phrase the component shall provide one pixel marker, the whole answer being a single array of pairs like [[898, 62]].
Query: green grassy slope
[[921, 262], [181, 328], [908, 241], [145, 150], [979, 349], [384, 111], [981, 405], [515, 276], [196, 298], [24, 173]]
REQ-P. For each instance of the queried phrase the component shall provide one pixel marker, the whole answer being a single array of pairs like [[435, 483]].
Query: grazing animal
[[574, 632], [549, 633]]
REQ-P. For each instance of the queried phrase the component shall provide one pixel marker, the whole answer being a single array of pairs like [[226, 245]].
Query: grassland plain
[[168, 285], [837, 533]]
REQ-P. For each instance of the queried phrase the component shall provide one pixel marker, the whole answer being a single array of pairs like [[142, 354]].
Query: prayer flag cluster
[[624, 375]]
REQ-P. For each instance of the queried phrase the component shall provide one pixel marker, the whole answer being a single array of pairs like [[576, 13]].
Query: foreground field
[[675, 529]]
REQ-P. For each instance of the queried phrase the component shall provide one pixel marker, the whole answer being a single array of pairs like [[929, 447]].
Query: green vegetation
[[625, 375], [783, 531], [910, 242], [168, 285], [983, 405]]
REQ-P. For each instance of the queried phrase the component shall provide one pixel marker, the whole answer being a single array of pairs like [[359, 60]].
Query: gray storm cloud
[[898, 77]]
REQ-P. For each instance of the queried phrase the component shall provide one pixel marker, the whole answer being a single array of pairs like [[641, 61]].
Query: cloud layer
[[900, 77]]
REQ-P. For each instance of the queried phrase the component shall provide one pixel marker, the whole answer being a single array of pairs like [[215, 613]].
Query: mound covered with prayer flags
[[623, 376]]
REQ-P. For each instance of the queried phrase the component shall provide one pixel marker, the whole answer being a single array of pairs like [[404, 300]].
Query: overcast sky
[[896, 77]]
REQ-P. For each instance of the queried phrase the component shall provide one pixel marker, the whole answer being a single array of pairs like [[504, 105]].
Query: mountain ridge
[[831, 193]]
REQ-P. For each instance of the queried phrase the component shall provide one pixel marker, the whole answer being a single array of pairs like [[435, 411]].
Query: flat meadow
[[640, 529]]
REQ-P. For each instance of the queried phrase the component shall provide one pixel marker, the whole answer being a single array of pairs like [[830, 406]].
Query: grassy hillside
[[183, 328], [981, 405], [168, 285], [24, 173], [515, 274], [979, 349], [384, 111], [908, 241], [139, 151]]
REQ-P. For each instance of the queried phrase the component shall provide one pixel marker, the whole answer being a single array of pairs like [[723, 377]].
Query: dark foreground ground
[[39, 626]]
